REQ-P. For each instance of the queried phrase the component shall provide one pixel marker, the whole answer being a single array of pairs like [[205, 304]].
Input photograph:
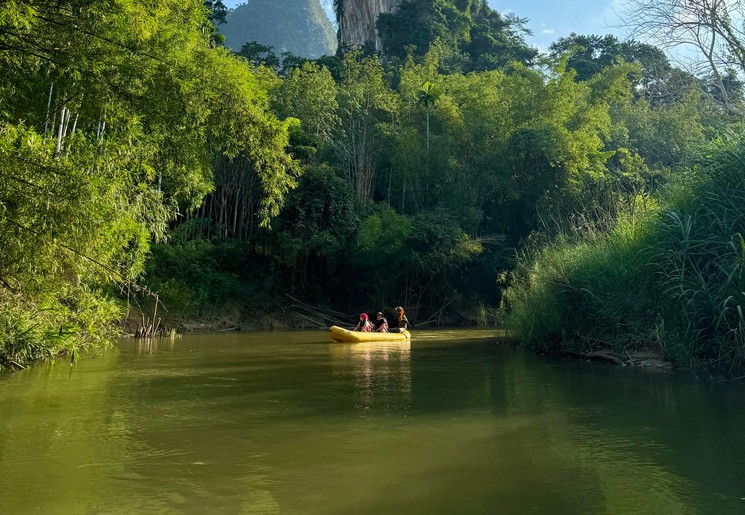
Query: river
[[286, 422]]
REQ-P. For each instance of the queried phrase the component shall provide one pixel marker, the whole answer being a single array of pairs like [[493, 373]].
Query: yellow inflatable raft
[[339, 334]]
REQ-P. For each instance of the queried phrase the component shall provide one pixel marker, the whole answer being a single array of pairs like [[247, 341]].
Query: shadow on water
[[291, 423]]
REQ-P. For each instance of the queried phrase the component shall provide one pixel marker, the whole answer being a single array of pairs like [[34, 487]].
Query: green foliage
[[582, 291], [500, 142], [654, 79], [366, 106], [21, 340], [217, 10], [427, 96], [259, 55], [56, 318], [486, 316], [420, 258], [382, 242], [309, 94], [474, 36], [673, 278], [321, 214], [666, 136], [131, 149], [197, 276], [589, 55], [453, 171]]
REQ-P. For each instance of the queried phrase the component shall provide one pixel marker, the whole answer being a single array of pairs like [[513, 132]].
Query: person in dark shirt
[[381, 324]]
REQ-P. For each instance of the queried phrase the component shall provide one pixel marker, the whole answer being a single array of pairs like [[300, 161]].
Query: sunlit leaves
[[309, 94]]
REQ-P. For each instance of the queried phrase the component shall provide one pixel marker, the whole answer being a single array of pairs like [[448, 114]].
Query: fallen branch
[[431, 319], [317, 315], [16, 364]]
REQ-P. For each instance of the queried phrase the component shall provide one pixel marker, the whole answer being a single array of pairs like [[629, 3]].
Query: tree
[[217, 11], [475, 36], [259, 55], [711, 28], [588, 55], [366, 104], [309, 93], [656, 79], [427, 97], [315, 229]]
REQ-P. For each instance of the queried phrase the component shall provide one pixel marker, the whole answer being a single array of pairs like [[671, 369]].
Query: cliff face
[[300, 27], [357, 21]]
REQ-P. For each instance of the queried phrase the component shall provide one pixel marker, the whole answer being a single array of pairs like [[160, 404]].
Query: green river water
[[454, 422]]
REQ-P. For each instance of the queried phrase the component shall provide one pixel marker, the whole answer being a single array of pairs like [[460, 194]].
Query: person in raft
[[364, 324], [403, 322], [381, 324]]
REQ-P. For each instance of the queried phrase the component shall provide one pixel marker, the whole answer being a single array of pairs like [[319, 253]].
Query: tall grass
[[670, 277], [582, 293], [698, 257]]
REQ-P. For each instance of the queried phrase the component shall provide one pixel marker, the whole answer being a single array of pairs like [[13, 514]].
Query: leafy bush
[[198, 276], [63, 319]]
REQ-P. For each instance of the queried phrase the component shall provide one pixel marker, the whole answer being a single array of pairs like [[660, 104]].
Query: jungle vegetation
[[109, 129], [587, 197]]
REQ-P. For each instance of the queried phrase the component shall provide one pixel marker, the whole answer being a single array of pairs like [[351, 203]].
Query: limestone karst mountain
[[357, 20], [300, 27]]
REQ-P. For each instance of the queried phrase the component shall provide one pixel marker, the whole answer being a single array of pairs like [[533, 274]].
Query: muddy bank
[[230, 318]]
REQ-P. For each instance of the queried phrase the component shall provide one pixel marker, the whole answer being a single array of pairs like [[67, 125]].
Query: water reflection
[[380, 372], [369, 351], [153, 345]]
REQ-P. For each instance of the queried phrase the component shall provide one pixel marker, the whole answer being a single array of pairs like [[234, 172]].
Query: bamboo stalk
[[49, 108], [65, 126], [75, 123], [59, 132]]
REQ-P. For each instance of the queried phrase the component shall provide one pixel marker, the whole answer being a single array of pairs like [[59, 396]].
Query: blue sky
[[551, 19]]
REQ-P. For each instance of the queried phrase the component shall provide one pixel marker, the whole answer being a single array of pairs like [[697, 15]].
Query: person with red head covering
[[364, 324]]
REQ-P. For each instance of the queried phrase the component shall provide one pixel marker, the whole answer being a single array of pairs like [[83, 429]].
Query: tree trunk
[[427, 131]]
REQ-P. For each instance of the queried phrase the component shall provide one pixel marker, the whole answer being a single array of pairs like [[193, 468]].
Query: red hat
[[363, 315]]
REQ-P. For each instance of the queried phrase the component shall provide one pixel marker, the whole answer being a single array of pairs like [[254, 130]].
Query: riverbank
[[232, 318], [640, 359], [264, 313]]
